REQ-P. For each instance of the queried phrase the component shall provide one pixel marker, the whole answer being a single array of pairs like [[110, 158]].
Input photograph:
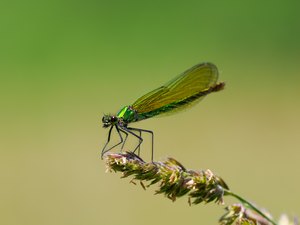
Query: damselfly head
[[109, 120]]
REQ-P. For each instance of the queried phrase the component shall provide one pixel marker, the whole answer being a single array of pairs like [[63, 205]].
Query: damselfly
[[184, 90]]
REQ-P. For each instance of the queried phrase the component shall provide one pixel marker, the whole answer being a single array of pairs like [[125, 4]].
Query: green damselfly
[[184, 90]]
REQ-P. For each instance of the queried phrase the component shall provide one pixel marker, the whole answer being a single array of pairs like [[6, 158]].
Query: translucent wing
[[197, 79]]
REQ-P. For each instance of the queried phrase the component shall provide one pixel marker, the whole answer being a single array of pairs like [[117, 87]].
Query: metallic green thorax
[[128, 114]]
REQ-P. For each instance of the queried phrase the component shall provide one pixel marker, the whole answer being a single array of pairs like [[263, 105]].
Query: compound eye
[[106, 119]]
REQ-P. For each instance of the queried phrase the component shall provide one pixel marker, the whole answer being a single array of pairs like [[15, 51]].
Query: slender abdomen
[[180, 104]]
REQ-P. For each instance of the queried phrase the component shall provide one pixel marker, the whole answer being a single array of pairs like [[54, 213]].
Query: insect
[[181, 92]]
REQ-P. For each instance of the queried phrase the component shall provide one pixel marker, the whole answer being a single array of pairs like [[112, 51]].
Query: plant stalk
[[249, 205]]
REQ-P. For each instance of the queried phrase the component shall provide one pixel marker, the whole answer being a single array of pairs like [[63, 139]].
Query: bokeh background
[[63, 64]]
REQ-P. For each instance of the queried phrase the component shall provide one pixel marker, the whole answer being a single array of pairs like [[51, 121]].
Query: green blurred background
[[63, 64]]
